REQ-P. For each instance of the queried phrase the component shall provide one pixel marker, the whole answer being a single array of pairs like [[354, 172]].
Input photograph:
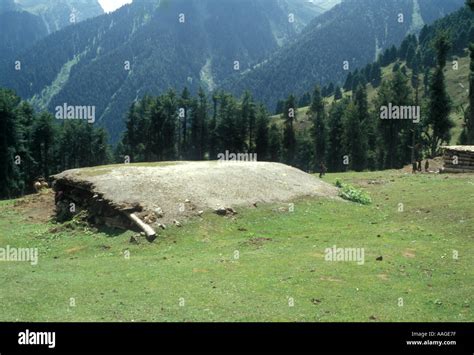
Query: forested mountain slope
[[149, 47], [355, 31], [24, 22], [18, 31], [57, 14]]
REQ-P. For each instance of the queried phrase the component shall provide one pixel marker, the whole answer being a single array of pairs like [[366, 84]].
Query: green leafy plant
[[353, 194]]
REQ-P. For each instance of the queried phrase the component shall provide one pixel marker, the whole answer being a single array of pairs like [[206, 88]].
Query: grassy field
[[266, 265]]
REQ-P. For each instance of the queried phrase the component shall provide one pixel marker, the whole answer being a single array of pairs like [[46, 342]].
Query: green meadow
[[268, 264]]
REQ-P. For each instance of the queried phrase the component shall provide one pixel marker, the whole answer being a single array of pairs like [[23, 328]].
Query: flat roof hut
[[458, 159]]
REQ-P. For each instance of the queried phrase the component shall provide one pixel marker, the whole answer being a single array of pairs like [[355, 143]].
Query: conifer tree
[[318, 130], [289, 137], [438, 123], [262, 144]]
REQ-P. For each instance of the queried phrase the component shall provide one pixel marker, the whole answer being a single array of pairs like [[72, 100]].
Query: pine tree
[[100, 148], [199, 126], [212, 129], [318, 130], [468, 131], [262, 143], [394, 134], [410, 56], [304, 155], [279, 107], [470, 3], [184, 103], [26, 118], [357, 130], [274, 143], [169, 110], [305, 100], [289, 138], [228, 125], [439, 124], [376, 75], [330, 90], [335, 151], [10, 179], [247, 120], [337, 93], [349, 82], [352, 136], [43, 139]]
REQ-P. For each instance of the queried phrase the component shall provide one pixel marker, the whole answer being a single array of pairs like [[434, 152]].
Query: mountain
[[87, 64], [18, 31], [356, 31], [7, 5], [57, 14], [24, 22]]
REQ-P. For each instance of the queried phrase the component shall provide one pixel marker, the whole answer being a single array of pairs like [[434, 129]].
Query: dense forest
[[34, 146]]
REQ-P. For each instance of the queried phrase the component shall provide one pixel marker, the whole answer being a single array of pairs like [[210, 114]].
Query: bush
[[350, 193]]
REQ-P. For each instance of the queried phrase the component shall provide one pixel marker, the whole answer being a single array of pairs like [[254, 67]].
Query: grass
[[192, 273]]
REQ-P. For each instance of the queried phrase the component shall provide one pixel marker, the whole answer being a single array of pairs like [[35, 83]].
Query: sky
[[112, 5]]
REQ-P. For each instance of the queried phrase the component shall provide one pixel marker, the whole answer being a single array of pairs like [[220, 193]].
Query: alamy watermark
[[345, 254], [67, 112], [395, 112], [37, 338], [239, 157], [19, 254]]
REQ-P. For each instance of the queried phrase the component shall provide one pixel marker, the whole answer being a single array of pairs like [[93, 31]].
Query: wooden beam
[[150, 232]]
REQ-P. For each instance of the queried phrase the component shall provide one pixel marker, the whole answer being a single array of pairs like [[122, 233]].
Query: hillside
[[25, 22], [457, 82], [57, 14], [353, 31], [18, 31], [87, 63]]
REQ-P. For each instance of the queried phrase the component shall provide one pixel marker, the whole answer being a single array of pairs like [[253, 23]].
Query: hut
[[458, 159]]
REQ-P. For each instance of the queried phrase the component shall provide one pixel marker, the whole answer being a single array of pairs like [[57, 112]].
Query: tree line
[[34, 146]]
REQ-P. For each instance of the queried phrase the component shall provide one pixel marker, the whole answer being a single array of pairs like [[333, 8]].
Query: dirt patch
[[409, 253], [37, 207], [258, 241], [174, 192], [331, 279], [435, 166]]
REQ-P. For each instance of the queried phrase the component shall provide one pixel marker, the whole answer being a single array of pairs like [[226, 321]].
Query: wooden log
[[464, 156], [457, 157], [467, 161], [459, 166], [449, 170], [461, 156], [150, 232]]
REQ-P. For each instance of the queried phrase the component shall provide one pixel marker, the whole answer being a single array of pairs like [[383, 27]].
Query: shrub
[[350, 193]]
